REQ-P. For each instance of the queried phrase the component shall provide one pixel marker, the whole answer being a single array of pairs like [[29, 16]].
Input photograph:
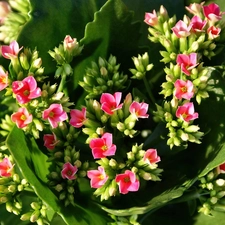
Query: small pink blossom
[[181, 29], [3, 79], [198, 24], [69, 43], [54, 114], [69, 171], [212, 12], [195, 8], [151, 156], [187, 62], [127, 182], [111, 103], [78, 117], [151, 18], [98, 177], [102, 147], [139, 109], [50, 141], [10, 51], [6, 168], [26, 89], [4, 11], [213, 32], [186, 112], [22, 118], [184, 89]]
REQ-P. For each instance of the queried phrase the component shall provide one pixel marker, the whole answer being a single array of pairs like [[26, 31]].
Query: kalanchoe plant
[[96, 129]]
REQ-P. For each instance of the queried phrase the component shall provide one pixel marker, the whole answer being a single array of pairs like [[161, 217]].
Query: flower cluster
[[186, 43]]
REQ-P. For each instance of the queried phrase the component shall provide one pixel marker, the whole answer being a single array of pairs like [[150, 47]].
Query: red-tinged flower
[[6, 168], [98, 177], [78, 117], [213, 32], [50, 141], [186, 112], [222, 168], [54, 114], [111, 103], [212, 12], [10, 51], [151, 18], [184, 89], [69, 43], [198, 24], [22, 118], [187, 62], [181, 29], [26, 90], [127, 182], [139, 109], [151, 156], [102, 147], [3, 79], [69, 171]]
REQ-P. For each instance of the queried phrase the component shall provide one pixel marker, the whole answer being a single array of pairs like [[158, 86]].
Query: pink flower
[[213, 32], [197, 24], [6, 168], [184, 89], [22, 118], [26, 89], [54, 114], [102, 147], [69, 43], [195, 8], [212, 12], [127, 182], [10, 51], [78, 117], [50, 141], [139, 109], [3, 79], [98, 177], [151, 18], [187, 62], [181, 29], [69, 171], [151, 156], [186, 112], [110, 103]]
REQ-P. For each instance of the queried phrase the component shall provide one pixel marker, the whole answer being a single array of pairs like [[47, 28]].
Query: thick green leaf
[[18, 145]]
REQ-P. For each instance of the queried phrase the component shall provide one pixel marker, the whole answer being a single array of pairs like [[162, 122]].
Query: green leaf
[[25, 159]]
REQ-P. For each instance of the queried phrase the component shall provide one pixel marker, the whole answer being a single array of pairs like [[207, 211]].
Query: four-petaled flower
[[181, 29], [102, 147], [3, 79], [186, 112], [151, 156], [26, 89], [127, 182], [213, 32], [184, 89], [69, 171], [6, 168], [195, 8], [151, 18], [78, 117], [50, 141], [54, 114], [212, 12], [187, 62], [110, 103], [10, 51], [98, 177], [139, 110], [22, 117], [197, 24]]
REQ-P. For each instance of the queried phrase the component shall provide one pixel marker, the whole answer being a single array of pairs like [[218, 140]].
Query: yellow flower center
[[23, 117], [126, 179], [184, 89], [51, 114]]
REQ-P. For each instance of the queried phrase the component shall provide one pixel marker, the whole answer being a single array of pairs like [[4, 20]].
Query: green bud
[[16, 178], [26, 216], [35, 205], [34, 216], [3, 199], [220, 182], [24, 61], [12, 188]]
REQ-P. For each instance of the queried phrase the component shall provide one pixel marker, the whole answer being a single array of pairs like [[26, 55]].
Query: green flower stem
[[148, 88], [62, 83]]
